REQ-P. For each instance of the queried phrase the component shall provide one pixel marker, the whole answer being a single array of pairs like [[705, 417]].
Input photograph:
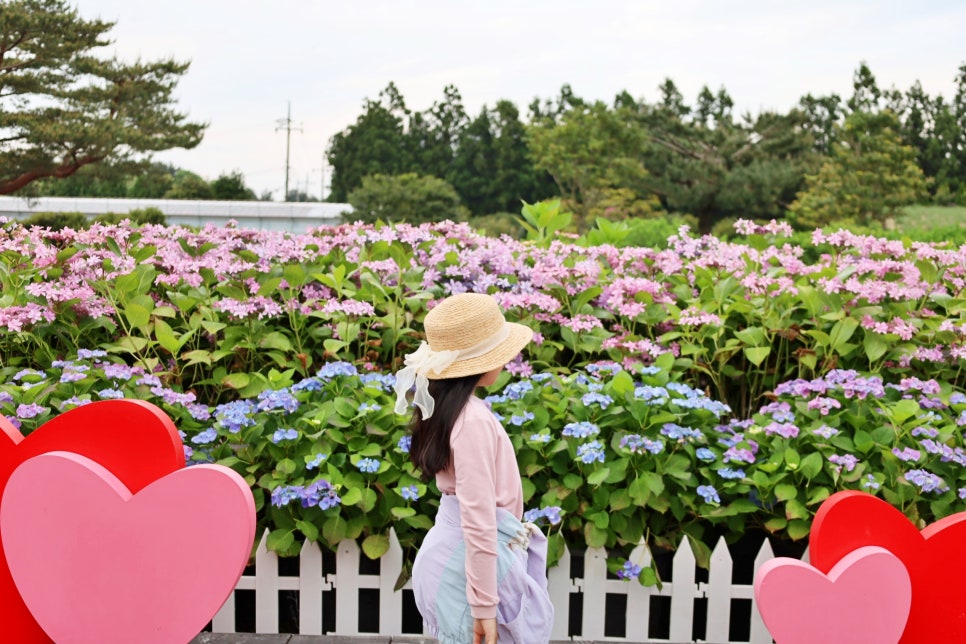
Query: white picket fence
[[593, 587]]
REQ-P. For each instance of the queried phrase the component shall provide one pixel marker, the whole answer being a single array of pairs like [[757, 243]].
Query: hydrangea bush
[[609, 456], [214, 311]]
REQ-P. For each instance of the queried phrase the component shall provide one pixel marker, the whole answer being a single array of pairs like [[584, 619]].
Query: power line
[[286, 124]]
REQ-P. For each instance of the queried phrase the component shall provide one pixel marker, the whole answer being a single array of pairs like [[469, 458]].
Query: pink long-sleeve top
[[483, 474]]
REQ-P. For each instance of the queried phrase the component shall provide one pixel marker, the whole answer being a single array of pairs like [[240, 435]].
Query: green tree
[[492, 170], [594, 154], [434, 135], [188, 185], [407, 198], [703, 162], [231, 187], [375, 144], [62, 107], [870, 175]]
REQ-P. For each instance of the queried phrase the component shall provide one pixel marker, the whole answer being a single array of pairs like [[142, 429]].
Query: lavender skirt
[[524, 614]]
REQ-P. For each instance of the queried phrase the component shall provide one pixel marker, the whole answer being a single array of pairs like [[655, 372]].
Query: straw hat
[[473, 324]]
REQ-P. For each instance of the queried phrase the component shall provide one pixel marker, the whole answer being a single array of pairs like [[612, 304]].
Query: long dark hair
[[429, 450]]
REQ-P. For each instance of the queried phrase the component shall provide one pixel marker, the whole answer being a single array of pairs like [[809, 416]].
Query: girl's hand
[[484, 631]]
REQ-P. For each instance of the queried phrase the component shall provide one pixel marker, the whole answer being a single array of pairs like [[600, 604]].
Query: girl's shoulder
[[476, 413]]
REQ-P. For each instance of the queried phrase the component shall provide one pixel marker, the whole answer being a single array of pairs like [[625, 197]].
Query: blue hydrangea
[[235, 415], [582, 429], [28, 373], [320, 494], [74, 373], [409, 493], [520, 419], [540, 438], [333, 369], [717, 408], [551, 513], [308, 384], [652, 395], [315, 461], [731, 473], [591, 452], [31, 410], [677, 432], [116, 371], [957, 398], [365, 407], [629, 571], [368, 465], [148, 380], [704, 454], [709, 494], [649, 370], [595, 398], [205, 437], [277, 399], [516, 390], [73, 401], [870, 483], [926, 481], [111, 394], [5, 397], [87, 354], [285, 494], [385, 381], [284, 435], [405, 443], [637, 444]]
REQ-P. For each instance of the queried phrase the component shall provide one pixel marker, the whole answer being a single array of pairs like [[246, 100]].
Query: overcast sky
[[249, 58]]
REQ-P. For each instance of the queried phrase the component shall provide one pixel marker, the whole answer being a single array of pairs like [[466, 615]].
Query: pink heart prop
[[95, 563], [865, 599]]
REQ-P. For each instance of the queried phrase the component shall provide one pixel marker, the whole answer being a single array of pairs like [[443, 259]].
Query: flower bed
[[721, 386], [215, 310], [641, 456]]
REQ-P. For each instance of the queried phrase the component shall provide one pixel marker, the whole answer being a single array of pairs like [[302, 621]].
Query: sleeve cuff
[[483, 612]]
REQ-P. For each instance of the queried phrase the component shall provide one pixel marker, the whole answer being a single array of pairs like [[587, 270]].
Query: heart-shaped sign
[[801, 605], [935, 558], [95, 563], [132, 438]]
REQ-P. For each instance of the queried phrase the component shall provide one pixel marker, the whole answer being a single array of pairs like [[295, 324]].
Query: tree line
[[857, 158]]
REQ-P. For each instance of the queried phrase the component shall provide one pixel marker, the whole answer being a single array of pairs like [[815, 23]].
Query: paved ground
[[247, 638]]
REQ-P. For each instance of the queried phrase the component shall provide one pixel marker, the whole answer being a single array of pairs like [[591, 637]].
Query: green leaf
[[841, 333], [904, 409], [352, 496], [403, 511], [594, 536], [875, 346], [334, 530], [598, 477], [375, 545], [757, 355], [279, 540], [784, 492], [308, 529], [236, 380], [797, 529], [137, 310], [811, 465]]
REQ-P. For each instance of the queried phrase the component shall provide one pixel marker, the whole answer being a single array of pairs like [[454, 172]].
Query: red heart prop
[[133, 439], [935, 558]]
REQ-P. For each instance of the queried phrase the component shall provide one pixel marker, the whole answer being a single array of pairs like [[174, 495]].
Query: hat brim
[[519, 337]]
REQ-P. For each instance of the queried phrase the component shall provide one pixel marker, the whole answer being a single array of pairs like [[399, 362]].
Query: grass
[[932, 217]]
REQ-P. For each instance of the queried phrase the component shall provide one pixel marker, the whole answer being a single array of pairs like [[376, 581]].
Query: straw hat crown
[[467, 321]]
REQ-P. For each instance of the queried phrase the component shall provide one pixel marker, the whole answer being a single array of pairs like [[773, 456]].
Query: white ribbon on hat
[[424, 361]]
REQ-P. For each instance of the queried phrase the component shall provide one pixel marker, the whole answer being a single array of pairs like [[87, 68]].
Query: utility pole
[[286, 124]]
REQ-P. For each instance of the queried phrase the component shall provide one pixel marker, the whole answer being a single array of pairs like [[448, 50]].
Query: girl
[[480, 574]]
